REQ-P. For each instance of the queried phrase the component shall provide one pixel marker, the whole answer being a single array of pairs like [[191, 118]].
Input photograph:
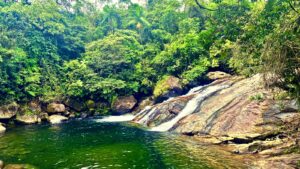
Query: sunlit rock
[[217, 75], [27, 119], [56, 119], [56, 108], [8, 111]]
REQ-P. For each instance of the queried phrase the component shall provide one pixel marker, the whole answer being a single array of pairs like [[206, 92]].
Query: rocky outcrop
[[56, 119], [124, 104], [169, 86], [217, 75], [56, 108], [8, 111], [234, 111], [28, 119]]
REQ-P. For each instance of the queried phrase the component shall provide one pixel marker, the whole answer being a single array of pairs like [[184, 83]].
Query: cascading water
[[191, 106], [122, 118]]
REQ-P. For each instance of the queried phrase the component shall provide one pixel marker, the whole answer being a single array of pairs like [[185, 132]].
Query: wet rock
[[144, 103], [2, 129], [163, 112], [44, 116], [56, 119], [76, 105], [168, 87], [8, 111], [27, 119], [56, 108], [124, 104], [217, 75]]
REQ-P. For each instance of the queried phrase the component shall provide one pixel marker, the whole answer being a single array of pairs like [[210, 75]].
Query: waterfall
[[191, 106]]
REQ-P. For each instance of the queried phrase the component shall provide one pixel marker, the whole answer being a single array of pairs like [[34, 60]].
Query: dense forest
[[55, 50]]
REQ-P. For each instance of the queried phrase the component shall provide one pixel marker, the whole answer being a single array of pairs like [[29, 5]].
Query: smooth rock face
[[27, 119], [2, 130], [56, 119], [56, 108], [8, 111], [124, 104], [229, 112]]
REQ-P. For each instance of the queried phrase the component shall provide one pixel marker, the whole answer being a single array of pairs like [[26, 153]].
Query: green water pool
[[87, 144]]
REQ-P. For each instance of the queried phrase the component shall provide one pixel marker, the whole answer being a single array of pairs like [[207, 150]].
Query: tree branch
[[203, 7], [291, 5]]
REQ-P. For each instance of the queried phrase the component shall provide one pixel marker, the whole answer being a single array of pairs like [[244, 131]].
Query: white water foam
[[122, 118], [190, 108]]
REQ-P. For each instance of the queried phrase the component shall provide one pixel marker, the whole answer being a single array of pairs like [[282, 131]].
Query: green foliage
[[52, 51], [257, 97]]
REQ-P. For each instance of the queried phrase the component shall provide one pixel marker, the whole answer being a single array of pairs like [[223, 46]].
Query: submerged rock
[[8, 111], [27, 119], [56, 108], [124, 104], [56, 119]]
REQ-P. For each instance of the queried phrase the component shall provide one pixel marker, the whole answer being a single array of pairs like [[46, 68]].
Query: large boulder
[[8, 111], [2, 129], [217, 75], [56, 119], [75, 104], [169, 86], [27, 119], [124, 104], [56, 108]]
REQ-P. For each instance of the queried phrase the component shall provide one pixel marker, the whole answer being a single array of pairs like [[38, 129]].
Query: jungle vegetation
[[53, 50]]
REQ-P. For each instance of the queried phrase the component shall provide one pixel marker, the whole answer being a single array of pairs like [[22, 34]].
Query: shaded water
[[89, 144]]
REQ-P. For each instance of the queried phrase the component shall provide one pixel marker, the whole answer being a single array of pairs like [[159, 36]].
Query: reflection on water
[[88, 144]]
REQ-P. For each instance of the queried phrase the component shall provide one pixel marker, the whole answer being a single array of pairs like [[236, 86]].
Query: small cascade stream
[[191, 106], [143, 117]]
